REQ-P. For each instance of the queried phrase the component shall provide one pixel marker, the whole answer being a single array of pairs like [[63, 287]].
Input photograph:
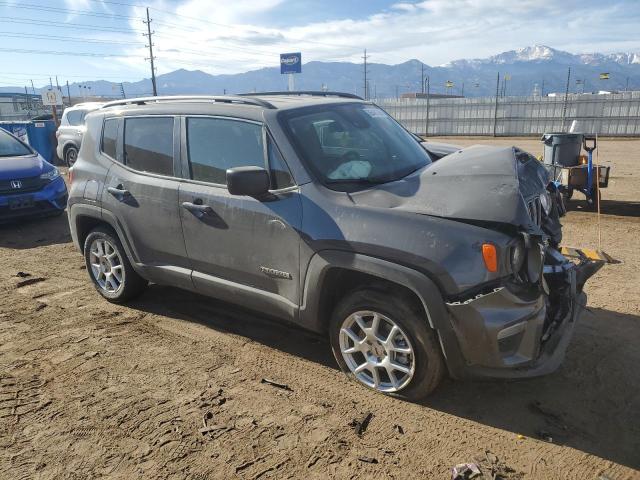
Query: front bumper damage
[[518, 331]]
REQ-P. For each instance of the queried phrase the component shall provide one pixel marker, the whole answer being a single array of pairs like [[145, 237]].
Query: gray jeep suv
[[319, 209]]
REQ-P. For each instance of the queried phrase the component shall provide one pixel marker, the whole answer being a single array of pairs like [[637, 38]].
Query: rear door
[[244, 249], [141, 191]]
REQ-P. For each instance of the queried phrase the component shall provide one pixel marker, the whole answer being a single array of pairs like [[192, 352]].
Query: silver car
[[71, 129]]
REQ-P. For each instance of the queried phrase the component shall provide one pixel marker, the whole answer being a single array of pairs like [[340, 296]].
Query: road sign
[[290, 63], [449, 84], [604, 76], [52, 97]]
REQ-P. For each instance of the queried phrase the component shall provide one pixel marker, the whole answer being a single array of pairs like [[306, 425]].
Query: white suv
[[71, 129]]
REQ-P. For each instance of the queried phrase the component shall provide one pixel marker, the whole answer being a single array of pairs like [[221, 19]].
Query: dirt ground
[[89, 389]]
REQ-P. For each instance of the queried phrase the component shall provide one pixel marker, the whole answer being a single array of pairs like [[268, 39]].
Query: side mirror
[[250, 181]]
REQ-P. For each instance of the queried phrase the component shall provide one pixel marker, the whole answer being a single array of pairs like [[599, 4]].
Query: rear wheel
[[109, 268], [70, 155], [383, 342]]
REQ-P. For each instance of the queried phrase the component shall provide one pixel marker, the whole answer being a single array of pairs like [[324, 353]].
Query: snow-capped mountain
[[542, 53]]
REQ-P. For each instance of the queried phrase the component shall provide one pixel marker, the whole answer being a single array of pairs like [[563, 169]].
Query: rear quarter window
[[110, 137], [75, 117]]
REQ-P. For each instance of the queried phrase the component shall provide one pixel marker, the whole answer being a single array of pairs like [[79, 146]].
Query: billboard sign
[[52, 97], [290, 63]]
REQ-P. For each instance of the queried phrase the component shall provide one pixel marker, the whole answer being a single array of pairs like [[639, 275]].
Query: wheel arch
[[331, 274], [84, 218]]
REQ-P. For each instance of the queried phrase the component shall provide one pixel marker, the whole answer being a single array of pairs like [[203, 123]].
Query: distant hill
[[526, 68]]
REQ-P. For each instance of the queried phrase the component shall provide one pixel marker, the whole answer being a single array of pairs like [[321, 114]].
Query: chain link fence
[[610, 115]]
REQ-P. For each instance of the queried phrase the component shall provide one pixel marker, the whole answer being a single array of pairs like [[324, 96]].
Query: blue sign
[[291, 62]]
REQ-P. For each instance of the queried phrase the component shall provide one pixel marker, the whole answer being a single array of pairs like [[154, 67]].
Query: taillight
[[490, 257]]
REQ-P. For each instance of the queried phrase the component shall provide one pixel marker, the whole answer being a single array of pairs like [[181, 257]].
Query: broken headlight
[[517, 255], [545, 201]]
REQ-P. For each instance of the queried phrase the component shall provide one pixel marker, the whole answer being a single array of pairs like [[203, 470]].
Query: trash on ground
[[368, 459], [360, 426], [465, 471], [283, 386]]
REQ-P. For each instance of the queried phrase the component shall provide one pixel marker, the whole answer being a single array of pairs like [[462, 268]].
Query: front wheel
[[383, 342], [109, 268]]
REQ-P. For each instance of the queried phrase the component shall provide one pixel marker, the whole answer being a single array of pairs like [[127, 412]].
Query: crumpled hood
[[22, 167], [480, 183]]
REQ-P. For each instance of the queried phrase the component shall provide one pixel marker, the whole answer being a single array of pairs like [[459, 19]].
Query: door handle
[[198, 210], [118, 191]]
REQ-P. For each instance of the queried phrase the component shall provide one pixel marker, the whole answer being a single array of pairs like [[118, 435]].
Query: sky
[[103, 39]]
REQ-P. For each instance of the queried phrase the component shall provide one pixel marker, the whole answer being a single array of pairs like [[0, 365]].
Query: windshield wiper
[[361, 181]]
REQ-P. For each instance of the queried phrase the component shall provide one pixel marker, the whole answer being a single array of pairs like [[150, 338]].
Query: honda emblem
[[16, 184]]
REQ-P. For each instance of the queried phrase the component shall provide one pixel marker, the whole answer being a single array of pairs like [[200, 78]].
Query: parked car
[[320, 209], [29, 185], [71, 129]]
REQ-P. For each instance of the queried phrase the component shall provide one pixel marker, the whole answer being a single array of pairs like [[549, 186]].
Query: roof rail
[[193, 98], [311, 93]]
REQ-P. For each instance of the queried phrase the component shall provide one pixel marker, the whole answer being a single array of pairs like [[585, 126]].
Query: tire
[[426, 361], [109, 268], [70, 155]]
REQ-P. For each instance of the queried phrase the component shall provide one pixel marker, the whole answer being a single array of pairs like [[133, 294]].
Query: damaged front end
[[522, 325]]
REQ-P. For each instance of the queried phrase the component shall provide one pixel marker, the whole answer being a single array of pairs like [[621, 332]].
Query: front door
[[242, 249], [142, 192]]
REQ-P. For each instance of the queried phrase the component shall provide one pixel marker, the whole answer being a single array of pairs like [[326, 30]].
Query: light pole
[[426, 126]]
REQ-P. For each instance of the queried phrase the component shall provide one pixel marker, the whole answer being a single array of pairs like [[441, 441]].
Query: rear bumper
[[49, 200], [506, 335]]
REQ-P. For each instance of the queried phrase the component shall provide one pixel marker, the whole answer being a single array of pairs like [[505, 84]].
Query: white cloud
[[216, 37]]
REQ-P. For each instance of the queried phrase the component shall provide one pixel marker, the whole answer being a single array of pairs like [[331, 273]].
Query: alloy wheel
[[106, 265], [377, 351]]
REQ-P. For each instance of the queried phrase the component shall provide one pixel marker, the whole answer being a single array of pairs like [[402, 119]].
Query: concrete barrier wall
[[611, 115]]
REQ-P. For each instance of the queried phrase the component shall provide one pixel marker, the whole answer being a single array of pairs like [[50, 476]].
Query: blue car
[[29, 185]]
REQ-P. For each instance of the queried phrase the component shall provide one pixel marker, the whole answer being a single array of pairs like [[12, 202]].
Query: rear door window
[[110, 137], [148, 144], [216, 144]]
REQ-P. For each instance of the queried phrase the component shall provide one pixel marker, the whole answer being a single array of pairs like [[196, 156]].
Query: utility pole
[[462, 93], [495, 111], [68, 93], [566, 94], [366, 87], [542, 89], [426, 126], [151, 57], [422, 76], [33, 89]]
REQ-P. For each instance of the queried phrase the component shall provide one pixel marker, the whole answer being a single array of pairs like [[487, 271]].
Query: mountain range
[[536, 67]]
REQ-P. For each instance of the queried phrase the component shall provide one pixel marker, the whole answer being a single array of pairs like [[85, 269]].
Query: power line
[[75, 26], [43, 8], [55, 52], [67, 39]]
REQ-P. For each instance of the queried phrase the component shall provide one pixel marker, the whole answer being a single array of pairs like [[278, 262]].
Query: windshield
[[10, 147], [354, 144]]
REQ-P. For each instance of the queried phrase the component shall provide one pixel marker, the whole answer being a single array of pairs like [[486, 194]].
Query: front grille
[[535, 210], [30, 184]]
